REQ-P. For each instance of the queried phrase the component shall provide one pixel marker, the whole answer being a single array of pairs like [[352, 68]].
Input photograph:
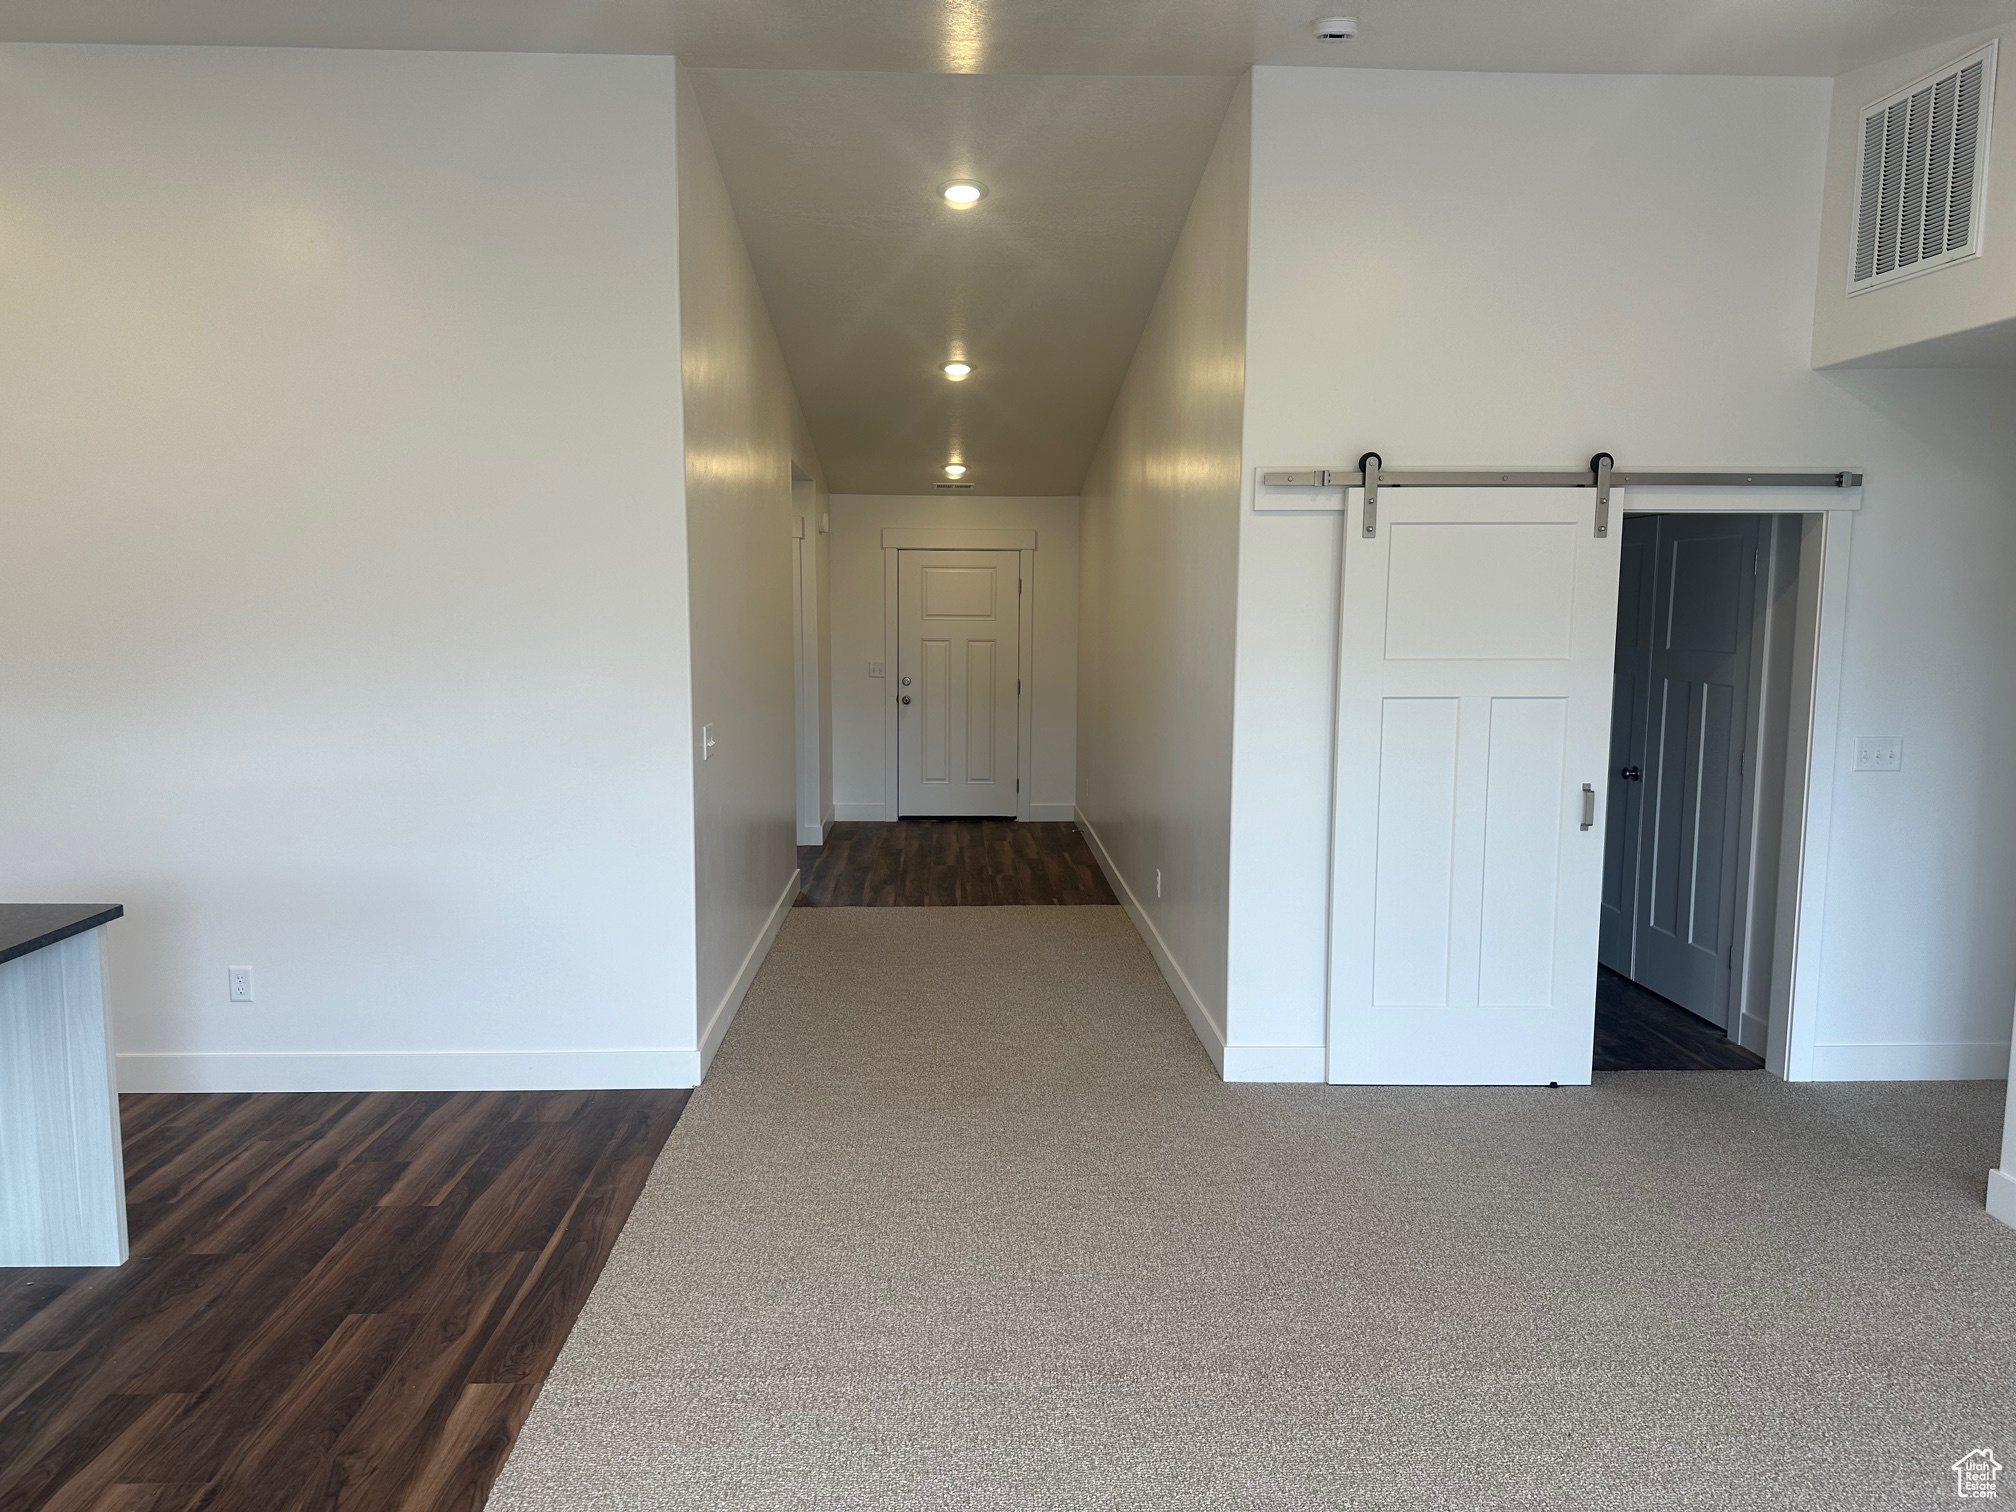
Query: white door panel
[[1474, 675], [958, 652]]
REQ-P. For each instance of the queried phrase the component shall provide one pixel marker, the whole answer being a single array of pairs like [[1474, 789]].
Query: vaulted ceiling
[[874, 282], [1089, 121]]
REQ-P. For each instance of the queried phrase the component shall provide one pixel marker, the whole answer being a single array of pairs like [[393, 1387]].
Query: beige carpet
[[962, 1219]]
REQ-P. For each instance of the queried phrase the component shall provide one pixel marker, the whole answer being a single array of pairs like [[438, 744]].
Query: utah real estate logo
[[1974, 1475]]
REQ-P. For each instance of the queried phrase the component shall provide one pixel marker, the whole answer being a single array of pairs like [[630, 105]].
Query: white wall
[[1159, 537], [342, 588], [860, 702], [1961, 314], [743, 431], [1524, 269]]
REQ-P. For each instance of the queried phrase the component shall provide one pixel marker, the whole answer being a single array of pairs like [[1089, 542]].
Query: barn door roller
[[1602, 474]]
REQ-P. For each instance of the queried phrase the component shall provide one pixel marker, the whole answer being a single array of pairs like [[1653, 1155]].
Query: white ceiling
[[1089, 119], [1065, 36], [873, 281]]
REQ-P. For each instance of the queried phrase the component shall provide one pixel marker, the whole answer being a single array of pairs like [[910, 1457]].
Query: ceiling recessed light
[[955, 469], [963, 192], [1335, 28], [957, 370]]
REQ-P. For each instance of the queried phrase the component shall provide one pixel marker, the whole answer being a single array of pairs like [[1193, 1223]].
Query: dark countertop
[[26, 927]]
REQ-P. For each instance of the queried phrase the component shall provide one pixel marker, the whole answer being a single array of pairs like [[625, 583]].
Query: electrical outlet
[[876, 669], [1158, 881], [241, 984], [1879, 753]]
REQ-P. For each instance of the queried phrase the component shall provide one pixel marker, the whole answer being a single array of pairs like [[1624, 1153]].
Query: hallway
[[962, 1217], [920, 863]]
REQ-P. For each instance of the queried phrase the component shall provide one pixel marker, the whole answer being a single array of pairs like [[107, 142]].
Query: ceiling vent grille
[[1921, 178], [951, 487]]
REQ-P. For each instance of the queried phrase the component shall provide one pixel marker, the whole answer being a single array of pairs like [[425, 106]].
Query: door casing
[[1789, 981], [956, 538]]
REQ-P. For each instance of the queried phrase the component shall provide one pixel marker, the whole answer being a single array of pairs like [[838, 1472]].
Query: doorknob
[[906, 682], [904, 699], [1631, 774]]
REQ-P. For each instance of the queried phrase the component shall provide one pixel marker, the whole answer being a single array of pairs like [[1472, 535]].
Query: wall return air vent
[[1921, 177]]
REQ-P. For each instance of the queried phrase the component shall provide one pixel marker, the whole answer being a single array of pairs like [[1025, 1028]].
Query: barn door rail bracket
[[1602, 474]]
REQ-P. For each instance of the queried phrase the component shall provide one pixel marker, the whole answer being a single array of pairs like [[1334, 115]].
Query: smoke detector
[[1335, 28]]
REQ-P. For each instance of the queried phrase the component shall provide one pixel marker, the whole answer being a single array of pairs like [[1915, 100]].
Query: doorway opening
[[811, 660], [1706, 727]]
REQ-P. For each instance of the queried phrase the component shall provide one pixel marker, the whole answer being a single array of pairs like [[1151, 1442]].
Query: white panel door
[[1473, 706], [1698, 677], [958, 679]]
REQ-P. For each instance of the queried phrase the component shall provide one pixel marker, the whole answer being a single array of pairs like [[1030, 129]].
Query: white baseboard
[[2002, 1196], [857, 812], [1980, 1060], [812, 834], [407, 1070], [1210, 1034], [826, 824], [1052, 813], [1275, 1063], [715, 1029]]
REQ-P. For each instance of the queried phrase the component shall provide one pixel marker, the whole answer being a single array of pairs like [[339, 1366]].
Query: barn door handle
[[1588, 806]]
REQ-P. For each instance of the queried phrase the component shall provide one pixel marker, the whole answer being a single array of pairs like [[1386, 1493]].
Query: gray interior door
[[1628, 705], [1697, 685]]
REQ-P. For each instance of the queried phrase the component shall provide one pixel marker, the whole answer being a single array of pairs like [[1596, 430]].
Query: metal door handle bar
[[1588, 806]]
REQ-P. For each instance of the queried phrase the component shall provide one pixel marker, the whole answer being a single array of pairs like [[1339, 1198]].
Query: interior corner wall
[[743, 430], [859, 616], [2002, 1179], [342, 595], [1158, 554], [1960, 314], [1477, 270]]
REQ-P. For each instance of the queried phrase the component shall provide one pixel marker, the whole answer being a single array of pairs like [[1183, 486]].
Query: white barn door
[[1473, 720]]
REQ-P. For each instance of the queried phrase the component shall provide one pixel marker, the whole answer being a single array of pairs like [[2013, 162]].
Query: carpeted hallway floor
[[962, 1219]]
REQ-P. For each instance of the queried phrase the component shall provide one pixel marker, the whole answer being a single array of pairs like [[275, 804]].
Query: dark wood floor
[[335, 1301], [1638, 1030], [917, 863]]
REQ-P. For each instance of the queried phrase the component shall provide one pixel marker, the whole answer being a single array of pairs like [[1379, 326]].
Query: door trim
[[953, 538], [960, 538]]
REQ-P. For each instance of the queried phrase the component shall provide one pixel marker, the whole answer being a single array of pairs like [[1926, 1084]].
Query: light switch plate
[[875, 669], [1879, 753]]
